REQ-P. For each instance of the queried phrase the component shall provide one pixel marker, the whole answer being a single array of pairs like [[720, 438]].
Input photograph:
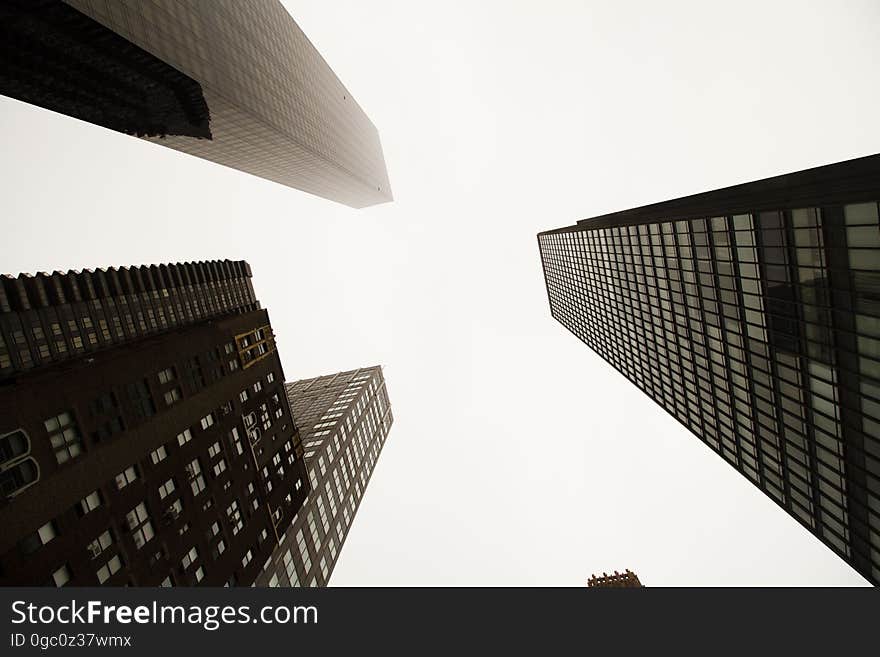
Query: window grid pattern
[[759, 332], [50, 318], [344, 419]]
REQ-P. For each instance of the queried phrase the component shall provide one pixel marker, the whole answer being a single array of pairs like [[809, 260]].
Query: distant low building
[[625, 580]]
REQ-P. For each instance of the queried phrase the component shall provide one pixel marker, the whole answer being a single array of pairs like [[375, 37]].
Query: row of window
[[601, 288]]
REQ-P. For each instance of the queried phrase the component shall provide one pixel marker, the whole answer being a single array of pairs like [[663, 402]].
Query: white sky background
[[518, 456]]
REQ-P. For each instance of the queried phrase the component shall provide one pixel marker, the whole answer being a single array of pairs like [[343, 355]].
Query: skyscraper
[[752, 315], [237, 83], [145, 435], [344, 419]]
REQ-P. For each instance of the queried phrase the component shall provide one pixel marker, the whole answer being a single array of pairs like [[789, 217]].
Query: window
[[243, 396], [13, 445], [194, 373], [303, 551], [207, 421], [214, 449], [167, 375], [139, 524], [159, 454], [113, 566], [64, 436], [233, 513], [97, 547], [61, 576], [189, 558], [172, 396], [38, 539], [140, 399], [197, 481], [18, 476], [90, 502], [166, 489], [290, 568], [313, 530], [322, 512], [246, 559], [184, 437], [235, 440], [219, 467], [106, 412], [125, 477]]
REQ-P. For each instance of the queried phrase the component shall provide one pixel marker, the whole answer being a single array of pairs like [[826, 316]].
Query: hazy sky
[[517, 456]]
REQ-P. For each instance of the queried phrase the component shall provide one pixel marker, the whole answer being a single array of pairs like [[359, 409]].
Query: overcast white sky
[[517, 457]]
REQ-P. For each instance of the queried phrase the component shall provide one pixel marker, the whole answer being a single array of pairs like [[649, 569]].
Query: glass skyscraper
[[752, 315], [344, 420], [237, 83]]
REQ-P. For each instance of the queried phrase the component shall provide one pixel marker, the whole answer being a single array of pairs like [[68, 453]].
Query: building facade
[[344, 419], [237, 83], [752, 315], [145, 434], [625, 580]]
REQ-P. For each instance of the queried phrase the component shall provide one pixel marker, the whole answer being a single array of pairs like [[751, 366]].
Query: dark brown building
[[145, 435], [344, 419], [624, 580]]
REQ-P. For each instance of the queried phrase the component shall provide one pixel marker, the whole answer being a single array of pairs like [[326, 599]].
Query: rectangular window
[[167, 375], [125, 477], [233, 514], [197, 481], [61, 576], [103, 542], [113, 566], [139, 525], [141, 400], [90, 502], [172, 396], [38, 539], [159, 454], [189, 558], [166, 489], [64, 436]]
